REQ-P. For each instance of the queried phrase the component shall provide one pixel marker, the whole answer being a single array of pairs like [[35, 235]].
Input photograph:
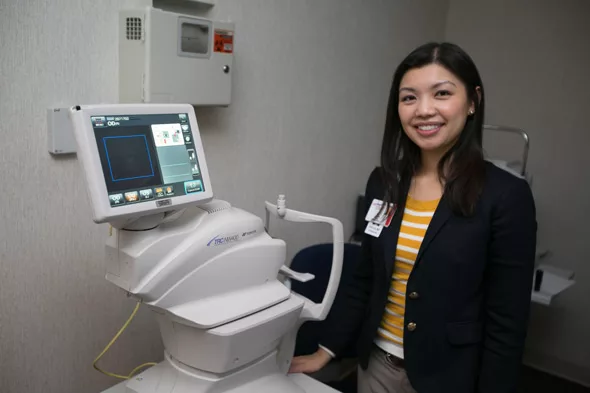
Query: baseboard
[[557, 367]]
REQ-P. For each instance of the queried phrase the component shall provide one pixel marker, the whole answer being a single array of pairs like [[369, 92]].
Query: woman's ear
[[478, 91], [472, 106]]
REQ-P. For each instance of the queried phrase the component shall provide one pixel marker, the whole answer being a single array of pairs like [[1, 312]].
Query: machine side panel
[[230, 286]]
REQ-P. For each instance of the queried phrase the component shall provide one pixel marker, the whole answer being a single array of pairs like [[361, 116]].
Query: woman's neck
[[426, 184], [429, 164]]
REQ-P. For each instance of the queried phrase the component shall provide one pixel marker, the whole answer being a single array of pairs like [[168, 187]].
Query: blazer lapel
[[390, 235], [441, 216]]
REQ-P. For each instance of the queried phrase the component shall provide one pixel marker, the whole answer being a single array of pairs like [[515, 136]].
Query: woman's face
[[433, 107]]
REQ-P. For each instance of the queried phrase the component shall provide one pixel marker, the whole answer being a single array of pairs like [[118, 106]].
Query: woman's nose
[[425, 108]]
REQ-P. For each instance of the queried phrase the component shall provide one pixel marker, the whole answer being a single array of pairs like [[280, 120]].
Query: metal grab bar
[[518, 131]]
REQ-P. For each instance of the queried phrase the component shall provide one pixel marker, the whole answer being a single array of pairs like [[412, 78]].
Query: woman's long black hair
[[462, 169]]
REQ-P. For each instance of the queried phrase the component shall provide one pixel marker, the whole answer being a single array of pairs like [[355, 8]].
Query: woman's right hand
[[309, 364]]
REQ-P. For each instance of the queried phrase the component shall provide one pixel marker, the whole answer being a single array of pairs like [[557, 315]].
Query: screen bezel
[[88, 155]]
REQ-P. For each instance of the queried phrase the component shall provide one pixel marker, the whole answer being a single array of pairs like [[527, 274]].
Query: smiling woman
[[441, 297], [433, 115]]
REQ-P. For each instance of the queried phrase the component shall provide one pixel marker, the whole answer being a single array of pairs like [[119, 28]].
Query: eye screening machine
[[210, 272]]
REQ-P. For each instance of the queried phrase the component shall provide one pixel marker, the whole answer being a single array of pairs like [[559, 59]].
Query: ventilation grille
[[215, 206], [134, 28]]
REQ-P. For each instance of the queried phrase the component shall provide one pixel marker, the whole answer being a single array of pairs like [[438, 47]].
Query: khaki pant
[[383, 376]]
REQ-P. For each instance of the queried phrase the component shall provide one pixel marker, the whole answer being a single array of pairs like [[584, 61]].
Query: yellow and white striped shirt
[[415, 221]]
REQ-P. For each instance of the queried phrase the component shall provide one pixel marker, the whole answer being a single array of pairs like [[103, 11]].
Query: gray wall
[[534, 58], [311, 85]]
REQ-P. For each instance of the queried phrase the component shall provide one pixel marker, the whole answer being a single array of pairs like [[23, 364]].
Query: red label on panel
[[224, 41]]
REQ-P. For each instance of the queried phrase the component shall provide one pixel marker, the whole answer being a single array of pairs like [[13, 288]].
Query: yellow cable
[[132, 373], [94, 364]]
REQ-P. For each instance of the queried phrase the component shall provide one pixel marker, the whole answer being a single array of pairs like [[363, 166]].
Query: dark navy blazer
[[471, 291]]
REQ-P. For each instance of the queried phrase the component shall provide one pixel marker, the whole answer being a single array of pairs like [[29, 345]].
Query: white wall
[[534, 58], [311, 85]]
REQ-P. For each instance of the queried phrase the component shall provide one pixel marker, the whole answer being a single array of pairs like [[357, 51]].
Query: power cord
[[105, 350]]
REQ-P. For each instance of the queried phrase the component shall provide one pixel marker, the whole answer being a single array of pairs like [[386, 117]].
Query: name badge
[[378, 215], [378, 218], [373, 229]]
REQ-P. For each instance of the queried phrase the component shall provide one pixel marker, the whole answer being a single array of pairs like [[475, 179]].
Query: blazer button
[[414, 295], [411, 326]]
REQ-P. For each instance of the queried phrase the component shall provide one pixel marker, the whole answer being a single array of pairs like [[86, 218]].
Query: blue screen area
[[128, 157], [147, 157]]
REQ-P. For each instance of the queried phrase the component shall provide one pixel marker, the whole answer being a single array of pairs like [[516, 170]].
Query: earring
[[471, 112]]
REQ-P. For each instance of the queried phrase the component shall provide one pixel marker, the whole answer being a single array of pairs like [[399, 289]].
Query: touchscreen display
[[147, 157]]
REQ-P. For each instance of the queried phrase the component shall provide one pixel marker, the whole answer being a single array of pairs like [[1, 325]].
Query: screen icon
[[116, 199], [185, 128], [193, 186], [169, 190], [195, 169], [159, 191], [176, 136], [146, 194], [132, 196], [167, 135], [192, 157], [187, 139], [183, 118], [98, 121]]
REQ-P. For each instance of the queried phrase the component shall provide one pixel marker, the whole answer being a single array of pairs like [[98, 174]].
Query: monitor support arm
[[145, 223]]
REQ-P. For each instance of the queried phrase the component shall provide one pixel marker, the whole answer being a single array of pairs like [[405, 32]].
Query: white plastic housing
[[263, 376], [211, 276], [208, 268], [59, 132], [166, 57], [232, 345]]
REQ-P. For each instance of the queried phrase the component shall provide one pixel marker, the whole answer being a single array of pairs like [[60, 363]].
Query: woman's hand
[[310, 363]]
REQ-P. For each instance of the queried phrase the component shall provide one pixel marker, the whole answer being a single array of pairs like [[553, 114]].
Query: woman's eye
[[443, 93], [407, 98]]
